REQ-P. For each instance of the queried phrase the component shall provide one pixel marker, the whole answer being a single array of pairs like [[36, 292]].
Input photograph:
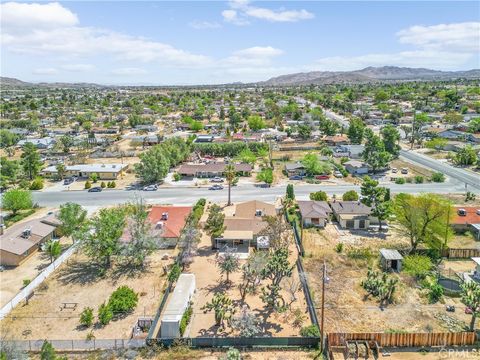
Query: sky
[[213, 42]]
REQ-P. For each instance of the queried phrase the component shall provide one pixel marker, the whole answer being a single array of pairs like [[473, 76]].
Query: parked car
[[394, 170], [95, 189], [216, 179], [150, 188], [68, 181], [216, 187], [322, 177], [295, 177], [404, 171], [338, 174]]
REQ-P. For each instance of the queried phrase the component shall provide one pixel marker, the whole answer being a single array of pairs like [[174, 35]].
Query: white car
[[150, 188], [338, 174], [216, 179]]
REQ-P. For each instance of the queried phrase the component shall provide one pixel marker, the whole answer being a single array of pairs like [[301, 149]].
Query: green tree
[[313, 165], [53, 249], [123, 300], [61, 170], [356, 131], [290, 192], [453, 118], [255, 122], [375, 197], [104, 241], [391, 137], [247, 156], [214, 225], [230, 175], [438, 177], [105, 314], [471, 298], [474, 125], [265, 175], [67, 142], [86, 317], [424, 219], [9, 171], [30, 160], [222, 306], [436, 143], [374, 153], [319, 196], [16, 199], [466, 156], [417, 266], [72, 217], [153, 166], [47, 352], [228, 263], [304, 132], [350, 195]]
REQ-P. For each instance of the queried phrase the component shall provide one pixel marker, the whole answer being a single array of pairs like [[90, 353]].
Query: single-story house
[[20, 241], [314, 213], [104, 171], [452, 134], [42, 143], [146, 140], [336, 140], [350, 151], [356, 167], [212, 169], [168, 222], [295, 169], [204, 138], [467, 218], [391, 260], [351, 214]]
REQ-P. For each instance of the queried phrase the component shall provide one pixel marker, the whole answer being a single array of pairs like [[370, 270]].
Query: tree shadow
[[205, 251], [80, 272], [128, 270], [218, 287], [269, 328], [214, 330]]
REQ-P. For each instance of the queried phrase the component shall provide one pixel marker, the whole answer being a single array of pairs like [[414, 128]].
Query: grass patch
[[10, 219]]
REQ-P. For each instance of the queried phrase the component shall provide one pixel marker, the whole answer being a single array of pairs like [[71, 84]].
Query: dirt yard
[[77, 281], [347, 309], [209, 281]]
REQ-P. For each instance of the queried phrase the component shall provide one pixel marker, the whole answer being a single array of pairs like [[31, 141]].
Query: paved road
[[338, 118], [461, 175], [184, 196]]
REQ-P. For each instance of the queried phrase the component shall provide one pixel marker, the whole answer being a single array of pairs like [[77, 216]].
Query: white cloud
[[78, 67], [201, 25], [128, 71], [241, 10], [444, 46], [253, 56], [464, 37], [259, 51], [63, 38], [45, 71]]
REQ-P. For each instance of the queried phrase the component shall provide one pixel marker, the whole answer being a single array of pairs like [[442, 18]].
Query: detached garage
[[178, 304]]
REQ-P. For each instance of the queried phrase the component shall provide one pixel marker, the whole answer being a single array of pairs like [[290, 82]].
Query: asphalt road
[[471, 180], [184, 196]]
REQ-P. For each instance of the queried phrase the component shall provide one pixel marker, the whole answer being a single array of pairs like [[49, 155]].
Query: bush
[[185, 320], [318, 196], [339, 248], [103, 185], [26, 282], [419, 179], [176, 176], [105, 314], [417, 266], [400, 181], [174, 273], [88, 184], [94, 177], [123, 300], [47, 352], [350, 195], [232, 354], [438, 177], [310, 331], [360, 254], [36, 184], [86, 317], [435, 293], [113, 185]]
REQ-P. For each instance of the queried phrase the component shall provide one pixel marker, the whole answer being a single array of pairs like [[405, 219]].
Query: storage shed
[[391, 260], [179, 301]]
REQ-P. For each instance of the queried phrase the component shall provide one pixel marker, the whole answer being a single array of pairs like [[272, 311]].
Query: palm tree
[[230, 175]]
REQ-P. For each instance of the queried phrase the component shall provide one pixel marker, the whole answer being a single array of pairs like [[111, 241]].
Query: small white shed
[[178, 303]]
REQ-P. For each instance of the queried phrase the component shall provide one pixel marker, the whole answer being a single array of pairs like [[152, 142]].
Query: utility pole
[[324, 280]]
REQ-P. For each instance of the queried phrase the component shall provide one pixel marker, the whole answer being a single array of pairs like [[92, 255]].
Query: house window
[[350, 224], [362, 224]]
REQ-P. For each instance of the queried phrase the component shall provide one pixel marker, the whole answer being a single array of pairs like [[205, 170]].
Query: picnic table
[[68, 305]]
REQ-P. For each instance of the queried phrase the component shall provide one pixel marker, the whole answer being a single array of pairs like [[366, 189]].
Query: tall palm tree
[[230, 175]]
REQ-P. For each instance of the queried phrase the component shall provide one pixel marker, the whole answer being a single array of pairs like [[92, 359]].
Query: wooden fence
[[463, 253], [405, 340]]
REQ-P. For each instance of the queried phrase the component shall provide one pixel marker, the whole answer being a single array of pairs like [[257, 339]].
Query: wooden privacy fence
[[405, 340], [463, 253]]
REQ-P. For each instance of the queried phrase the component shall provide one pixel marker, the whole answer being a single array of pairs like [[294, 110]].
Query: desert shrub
[[88, 184], [26, 282], [113, 185], [339, 248], [174, 273], [232, 354], [185, 320], [123, 300], [94, 177], [435, 292], [105, 314], [36, 184], [417, 266], [360, 254], [310, 331], [438, 177], [400, 181], [319, 196], [176, 176], [86, 317], [103, 185], [419, 179]]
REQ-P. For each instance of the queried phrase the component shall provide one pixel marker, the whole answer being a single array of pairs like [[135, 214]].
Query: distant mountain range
[[369, 75]]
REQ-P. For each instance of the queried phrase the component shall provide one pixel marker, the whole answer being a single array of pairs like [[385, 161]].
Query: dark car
[[68, 181], [296, 177], [216, 187], [95, 189]]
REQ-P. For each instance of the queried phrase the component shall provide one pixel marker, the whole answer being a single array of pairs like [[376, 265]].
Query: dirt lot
[[440, 354], [347, 309], [209, 281], [77, 281], [413, 170]]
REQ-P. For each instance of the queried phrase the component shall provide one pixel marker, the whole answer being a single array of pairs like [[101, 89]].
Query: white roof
[[184, 289], [476, 260], [113, 168]]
